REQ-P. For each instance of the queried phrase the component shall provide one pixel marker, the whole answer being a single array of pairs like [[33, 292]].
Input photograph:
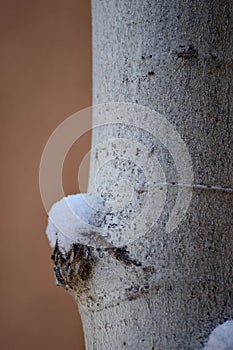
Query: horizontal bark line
[[193, 186], [115, 302]]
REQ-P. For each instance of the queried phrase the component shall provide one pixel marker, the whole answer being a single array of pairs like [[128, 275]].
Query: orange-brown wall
[[45, 76]]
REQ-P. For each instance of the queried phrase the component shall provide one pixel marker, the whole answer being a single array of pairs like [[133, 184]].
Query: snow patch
[[221, 338], [74, 219]]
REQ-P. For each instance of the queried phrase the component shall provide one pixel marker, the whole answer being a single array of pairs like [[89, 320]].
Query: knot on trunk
[[73, 269]]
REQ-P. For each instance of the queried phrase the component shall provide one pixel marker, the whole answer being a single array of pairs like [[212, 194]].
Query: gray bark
[[171, 288]]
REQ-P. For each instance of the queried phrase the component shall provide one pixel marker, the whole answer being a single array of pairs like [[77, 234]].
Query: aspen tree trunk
[[168, 289]]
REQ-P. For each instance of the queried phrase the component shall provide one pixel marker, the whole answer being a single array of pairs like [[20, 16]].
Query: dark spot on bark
[[149, 268], [151, 73], [132, 288], [143, 57], [122, 254], [191, 52], [152, 151], [112, 226], [144, 290], [125, 80], [141, 191]]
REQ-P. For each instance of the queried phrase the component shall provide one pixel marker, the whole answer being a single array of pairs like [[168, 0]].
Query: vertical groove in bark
[[176, 58]]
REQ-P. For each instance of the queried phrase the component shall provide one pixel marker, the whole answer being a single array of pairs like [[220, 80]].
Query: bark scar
[[74, 268]]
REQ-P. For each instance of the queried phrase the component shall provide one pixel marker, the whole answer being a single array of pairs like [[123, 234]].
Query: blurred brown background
[[45, 72]]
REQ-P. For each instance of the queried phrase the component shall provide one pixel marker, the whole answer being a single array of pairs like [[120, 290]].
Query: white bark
[[171, 288]]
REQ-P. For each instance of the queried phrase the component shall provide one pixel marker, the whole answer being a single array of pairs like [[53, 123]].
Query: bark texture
[[166, 290]]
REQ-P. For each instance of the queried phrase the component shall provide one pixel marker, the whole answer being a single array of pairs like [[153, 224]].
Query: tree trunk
[[173, 283]]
